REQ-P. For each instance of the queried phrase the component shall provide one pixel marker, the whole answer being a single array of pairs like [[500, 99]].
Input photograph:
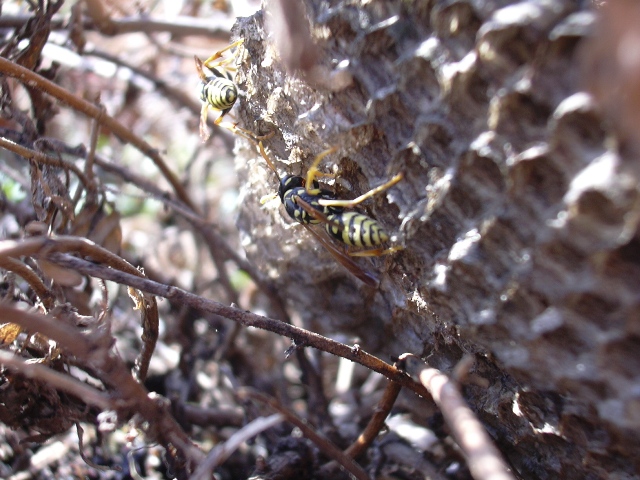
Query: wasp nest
[[518, 210]]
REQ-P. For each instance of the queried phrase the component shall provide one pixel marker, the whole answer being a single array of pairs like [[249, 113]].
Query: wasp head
[[289, 182]]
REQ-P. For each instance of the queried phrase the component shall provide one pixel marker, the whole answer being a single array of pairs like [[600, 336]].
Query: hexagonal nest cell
[[518, 211]]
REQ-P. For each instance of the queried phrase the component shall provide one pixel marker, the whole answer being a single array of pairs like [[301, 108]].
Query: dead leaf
[[62, 276], [9, 332]]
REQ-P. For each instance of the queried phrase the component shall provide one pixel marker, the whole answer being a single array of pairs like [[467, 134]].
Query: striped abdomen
[[356, 229], [219, 92]]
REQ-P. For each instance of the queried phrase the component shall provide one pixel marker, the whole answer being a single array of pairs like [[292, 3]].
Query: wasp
[[309, 204], [218, 91]]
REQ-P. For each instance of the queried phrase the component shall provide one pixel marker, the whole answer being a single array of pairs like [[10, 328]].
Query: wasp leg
[[221, 65], [212, 65], [313, 171], [363, 197], [232, 127], [264, 154], [242, 132], [376, 252], [272, 167], [325, 175], [210, 62]]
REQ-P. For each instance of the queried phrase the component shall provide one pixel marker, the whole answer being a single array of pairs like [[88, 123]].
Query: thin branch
[[40, 157], [87, 460], [208, 417], [75, 343], [43, 246], [179, 26], [326, 446], [483, 458], [248, 319], [372, 429], [376, 423], [93, 141], [148, 308], [29, 276], [57, 380], [129, 397], [217, 246], [218, 455], [32, 79], [212, 237]]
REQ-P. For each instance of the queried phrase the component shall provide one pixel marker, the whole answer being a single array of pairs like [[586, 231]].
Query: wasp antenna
[[199, 68], [313, 171]]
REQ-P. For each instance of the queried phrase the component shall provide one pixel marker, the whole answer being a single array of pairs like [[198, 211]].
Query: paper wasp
[[309, 204], [218, 92]]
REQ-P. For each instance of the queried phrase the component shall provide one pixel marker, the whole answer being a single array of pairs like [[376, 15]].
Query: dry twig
[[178, 26], [376, 423], [327, 447], [220, 453], [483, 458], [94, 351], [248, 319], [34, 80]]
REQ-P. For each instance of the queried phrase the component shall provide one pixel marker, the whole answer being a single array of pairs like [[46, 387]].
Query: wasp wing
[[336, 252]]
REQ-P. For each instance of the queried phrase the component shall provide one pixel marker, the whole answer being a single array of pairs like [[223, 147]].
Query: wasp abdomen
[[219, 92], [356, 229]]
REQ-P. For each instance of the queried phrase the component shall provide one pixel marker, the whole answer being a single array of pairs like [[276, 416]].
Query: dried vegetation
[[132, 321]]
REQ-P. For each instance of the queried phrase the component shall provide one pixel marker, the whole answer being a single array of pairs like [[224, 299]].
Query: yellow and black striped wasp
[[217, 90], [309, 204]]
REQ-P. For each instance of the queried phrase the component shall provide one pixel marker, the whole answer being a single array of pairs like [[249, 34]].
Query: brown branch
[[128, 396], [326, 446], [33, 80], [87, 460], [44, 246], [148, 307], [372, 429], [483, 458], [29, 276], [376, 423], [300, 336], [57, 380], [91, 154], [178, 26], [208, 417], [74, 342], [288, 27], [213, 239], [221, 452], [40, 157], [215, 242]]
